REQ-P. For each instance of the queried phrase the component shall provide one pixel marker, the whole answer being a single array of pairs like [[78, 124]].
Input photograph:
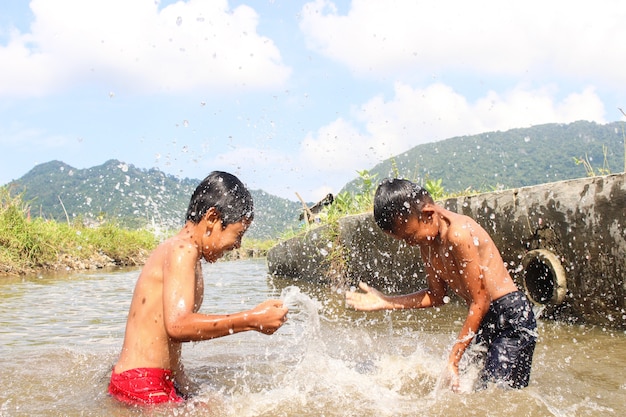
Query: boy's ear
[[212, 216], [427, 212]]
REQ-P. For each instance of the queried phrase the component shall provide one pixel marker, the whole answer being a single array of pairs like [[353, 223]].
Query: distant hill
[[515, 158], [134, 197]]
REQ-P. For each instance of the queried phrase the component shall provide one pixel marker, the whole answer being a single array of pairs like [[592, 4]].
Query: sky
[[293, 96]]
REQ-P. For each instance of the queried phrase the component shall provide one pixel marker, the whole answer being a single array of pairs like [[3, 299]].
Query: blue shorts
[[509, 332]]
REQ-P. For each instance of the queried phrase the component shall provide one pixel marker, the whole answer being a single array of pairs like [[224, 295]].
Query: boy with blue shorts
[[459, 256]]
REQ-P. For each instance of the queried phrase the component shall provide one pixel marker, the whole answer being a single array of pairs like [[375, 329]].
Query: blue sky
[[292, 96]]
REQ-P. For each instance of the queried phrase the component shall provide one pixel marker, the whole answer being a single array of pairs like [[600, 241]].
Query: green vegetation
[[591, 171], [28, 243], [352, 202], [515, 158]]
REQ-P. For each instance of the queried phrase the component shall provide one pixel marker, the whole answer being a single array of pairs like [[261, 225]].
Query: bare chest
[[446, 267]]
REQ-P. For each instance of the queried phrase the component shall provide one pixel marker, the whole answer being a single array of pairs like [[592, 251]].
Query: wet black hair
[[397, 198], [226, 193]]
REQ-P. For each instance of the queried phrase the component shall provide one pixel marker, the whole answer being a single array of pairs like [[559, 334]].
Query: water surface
[[60, 335]]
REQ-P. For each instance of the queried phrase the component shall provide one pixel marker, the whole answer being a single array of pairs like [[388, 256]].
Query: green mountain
[[133, 197], [515, 158]]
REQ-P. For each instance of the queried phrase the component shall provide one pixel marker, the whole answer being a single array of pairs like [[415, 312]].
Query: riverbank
[[69, 263], [32, 244], [98, 260]]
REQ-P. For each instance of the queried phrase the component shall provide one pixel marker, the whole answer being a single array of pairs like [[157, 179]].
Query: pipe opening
[[544, 277]]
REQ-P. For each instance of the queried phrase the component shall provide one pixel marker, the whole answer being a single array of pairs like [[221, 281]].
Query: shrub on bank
[[28, 244]]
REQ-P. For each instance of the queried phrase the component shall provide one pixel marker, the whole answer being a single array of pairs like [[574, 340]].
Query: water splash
[[326, 365]]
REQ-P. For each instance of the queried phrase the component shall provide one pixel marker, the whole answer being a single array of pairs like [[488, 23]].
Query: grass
[[28, 244]]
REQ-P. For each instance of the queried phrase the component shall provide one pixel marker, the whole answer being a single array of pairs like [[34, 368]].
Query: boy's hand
[[269, 316], [370, 300], [452, 377]]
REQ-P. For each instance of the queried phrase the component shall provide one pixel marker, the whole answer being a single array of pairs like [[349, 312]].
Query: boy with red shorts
[[169, 292]]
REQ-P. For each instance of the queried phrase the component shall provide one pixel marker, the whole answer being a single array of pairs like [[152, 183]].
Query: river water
[[60, 335]]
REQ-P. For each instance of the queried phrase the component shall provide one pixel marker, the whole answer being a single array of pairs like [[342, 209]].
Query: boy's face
[[218, 240], [415, 228]]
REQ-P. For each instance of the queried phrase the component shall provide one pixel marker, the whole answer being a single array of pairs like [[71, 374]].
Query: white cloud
[[532, 39], [24, 138], [383, 128], [336, 147], [283, 173], [133, 45]]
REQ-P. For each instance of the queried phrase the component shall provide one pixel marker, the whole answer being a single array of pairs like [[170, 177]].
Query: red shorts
[[144, 386]]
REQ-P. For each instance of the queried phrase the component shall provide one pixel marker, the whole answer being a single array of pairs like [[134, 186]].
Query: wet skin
[[458, 255], [169, 292]]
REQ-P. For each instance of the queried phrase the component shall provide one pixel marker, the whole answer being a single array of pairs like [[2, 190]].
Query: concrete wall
[[578, 226]]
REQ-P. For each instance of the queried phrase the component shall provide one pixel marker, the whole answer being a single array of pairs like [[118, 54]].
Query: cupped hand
[[269, 316], [369, 300]]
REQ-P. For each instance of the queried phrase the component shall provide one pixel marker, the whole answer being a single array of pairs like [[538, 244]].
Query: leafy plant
[[346, 203], [591, 172], [435, 188]]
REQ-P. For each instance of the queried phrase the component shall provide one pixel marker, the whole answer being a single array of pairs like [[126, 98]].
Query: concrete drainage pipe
[[544, 277]]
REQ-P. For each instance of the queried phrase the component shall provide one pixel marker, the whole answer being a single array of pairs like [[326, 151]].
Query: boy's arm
[[371, 299], [466, 254], [183, 324]]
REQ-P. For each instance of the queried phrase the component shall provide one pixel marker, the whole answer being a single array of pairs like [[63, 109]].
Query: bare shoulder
[[461, 228], [176, 243], [172, 250]]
